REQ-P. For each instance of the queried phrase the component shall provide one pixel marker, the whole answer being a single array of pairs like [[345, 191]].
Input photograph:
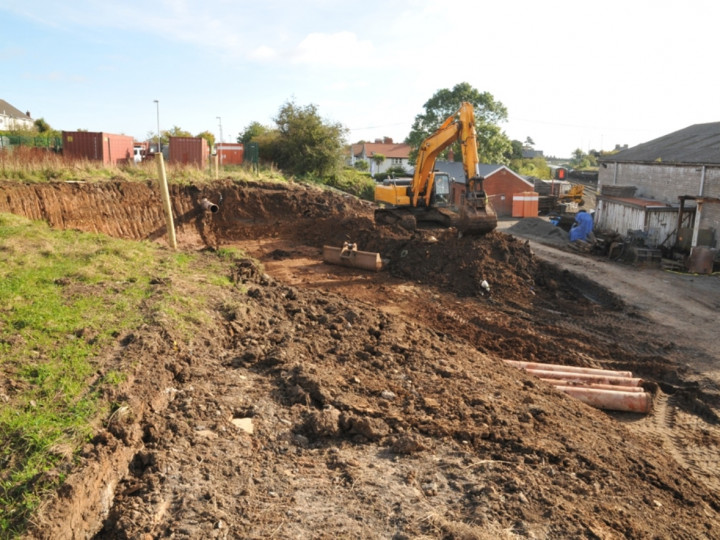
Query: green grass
[[65, 297]]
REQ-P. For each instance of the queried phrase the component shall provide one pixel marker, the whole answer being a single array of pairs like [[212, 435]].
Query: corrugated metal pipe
[[207, 205]]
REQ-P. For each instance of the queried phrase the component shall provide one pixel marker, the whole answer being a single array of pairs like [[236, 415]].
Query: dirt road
[[683, 306]]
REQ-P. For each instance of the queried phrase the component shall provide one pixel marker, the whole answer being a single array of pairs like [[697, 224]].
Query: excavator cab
[[441, 190]]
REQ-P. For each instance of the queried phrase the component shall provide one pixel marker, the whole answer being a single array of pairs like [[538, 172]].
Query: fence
[[39, 141]]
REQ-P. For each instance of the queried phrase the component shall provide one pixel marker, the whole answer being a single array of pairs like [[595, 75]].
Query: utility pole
[[221, 136], [159, 144]]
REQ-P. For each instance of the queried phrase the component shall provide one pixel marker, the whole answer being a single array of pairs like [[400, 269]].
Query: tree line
[[303, 144]]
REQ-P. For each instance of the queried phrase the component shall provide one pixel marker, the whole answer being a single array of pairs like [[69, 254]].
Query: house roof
[[699, 143], [394, 150], [12, 112], [456, 170]]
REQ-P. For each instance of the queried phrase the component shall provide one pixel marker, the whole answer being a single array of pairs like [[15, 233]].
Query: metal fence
[[38, 141]]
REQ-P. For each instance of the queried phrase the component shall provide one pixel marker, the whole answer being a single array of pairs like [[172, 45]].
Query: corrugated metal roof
[[696, 144], [456, 170], [635, 201]]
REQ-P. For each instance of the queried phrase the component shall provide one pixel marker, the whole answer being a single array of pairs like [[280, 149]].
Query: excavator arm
[[460, 126]]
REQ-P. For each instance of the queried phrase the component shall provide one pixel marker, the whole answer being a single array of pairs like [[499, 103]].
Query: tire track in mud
[[690, 440]]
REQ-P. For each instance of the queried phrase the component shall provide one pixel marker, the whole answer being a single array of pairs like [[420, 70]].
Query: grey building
[[683, 165]]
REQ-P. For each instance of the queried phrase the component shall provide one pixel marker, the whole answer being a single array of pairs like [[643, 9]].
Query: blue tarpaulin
[[582, 227]]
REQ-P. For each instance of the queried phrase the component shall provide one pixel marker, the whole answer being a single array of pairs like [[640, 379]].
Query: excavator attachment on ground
[[349, 255]]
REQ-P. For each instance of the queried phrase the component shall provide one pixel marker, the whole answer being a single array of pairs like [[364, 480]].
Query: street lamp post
[[157, 105], [221, 136]]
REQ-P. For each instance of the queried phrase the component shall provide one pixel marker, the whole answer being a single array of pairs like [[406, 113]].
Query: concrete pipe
[[207, 205], [567, 369], [612, 400], [562, 382], [586, 378]]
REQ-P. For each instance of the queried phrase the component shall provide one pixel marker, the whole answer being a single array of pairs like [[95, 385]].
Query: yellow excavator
[[427, 196]]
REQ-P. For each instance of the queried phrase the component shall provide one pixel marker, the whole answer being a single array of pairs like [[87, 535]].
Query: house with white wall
[[396, 155], [12, 118]]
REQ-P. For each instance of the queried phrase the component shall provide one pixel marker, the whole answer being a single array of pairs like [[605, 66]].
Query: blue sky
[[572, 74]]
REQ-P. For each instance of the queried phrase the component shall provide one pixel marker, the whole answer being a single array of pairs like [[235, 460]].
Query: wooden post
[[165, 193]]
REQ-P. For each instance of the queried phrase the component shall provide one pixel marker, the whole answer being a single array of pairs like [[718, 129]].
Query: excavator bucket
[[348, 255], [476, 217]]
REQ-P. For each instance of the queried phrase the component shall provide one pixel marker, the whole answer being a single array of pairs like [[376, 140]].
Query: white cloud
[[263, 53], [339, 49]]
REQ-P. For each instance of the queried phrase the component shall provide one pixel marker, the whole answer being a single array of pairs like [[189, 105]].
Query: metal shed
[[622, 214]]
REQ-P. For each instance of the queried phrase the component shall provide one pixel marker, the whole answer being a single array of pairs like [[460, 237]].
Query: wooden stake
[[165, 193]]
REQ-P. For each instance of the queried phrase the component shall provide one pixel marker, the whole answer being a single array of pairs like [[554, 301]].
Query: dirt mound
[[384, 410], [541, 230]]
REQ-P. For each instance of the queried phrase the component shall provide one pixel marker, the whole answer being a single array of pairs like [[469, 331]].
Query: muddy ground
[[327, 402]]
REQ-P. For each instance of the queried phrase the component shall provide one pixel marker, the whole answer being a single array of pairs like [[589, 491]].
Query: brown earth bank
[[328, 402]]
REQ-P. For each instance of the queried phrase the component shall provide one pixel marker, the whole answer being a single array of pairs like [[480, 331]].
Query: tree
[[378, 159], [42, 126], [529, 142], [306, 144], [252, 131], [208, 136], [493, 144], [176, 131], [516, 150], [361, 165], [581, 160]]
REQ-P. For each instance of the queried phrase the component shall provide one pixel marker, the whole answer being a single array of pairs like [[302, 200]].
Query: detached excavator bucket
[[348, 255]]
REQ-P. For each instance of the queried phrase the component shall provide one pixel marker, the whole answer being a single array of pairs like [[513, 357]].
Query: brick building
[[500, 184]]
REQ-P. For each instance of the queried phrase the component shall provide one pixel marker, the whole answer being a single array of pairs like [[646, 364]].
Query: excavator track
[[468, 222]]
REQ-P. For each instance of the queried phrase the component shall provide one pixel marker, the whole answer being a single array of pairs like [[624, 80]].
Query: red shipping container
[[230, 153], [96, 146], [189, 151]]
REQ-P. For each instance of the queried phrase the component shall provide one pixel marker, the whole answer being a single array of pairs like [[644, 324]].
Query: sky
[[572, 75]]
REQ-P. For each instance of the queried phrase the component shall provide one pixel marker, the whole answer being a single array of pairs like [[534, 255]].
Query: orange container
[[525, 204], [518, 205], [230, 153], [531, 204]]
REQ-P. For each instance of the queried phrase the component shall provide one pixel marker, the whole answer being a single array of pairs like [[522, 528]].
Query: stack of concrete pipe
[[601, 388]]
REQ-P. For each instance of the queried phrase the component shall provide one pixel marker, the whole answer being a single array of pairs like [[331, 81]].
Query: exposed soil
[[330, 402]]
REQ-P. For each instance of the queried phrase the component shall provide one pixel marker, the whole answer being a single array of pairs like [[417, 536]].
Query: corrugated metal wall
[[189, 151], [621, 217], [230, 153], [105, 147]]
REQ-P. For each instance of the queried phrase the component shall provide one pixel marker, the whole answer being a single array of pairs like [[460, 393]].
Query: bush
[[354, 182]]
